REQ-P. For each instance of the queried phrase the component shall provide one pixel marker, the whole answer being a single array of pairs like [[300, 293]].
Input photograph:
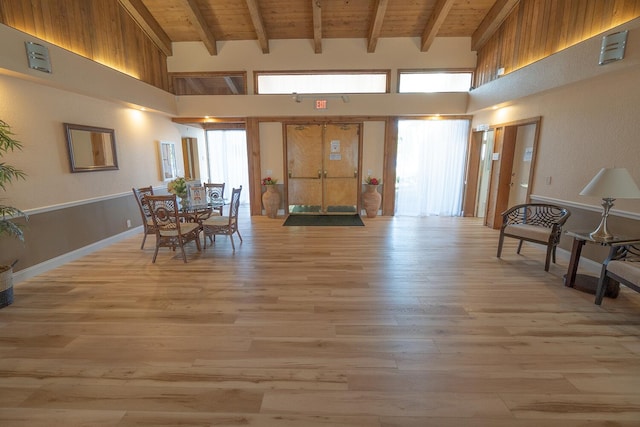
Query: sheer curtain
[[430, 167], [227, 158]]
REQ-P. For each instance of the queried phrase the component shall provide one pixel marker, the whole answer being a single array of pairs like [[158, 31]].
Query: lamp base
[[602, 233]]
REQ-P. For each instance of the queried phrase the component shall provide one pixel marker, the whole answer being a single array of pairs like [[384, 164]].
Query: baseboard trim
[[43, 267]]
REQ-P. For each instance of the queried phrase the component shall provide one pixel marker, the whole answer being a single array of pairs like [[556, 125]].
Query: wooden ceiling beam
[[194, 14], [316, 6], [376, 25], [491, 22], [149, 25], [435, 21], [258, 25]]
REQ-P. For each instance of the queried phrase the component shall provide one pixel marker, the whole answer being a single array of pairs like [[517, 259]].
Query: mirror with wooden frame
[[91, 148]]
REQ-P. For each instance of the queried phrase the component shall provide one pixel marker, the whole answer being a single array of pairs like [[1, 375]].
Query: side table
[[585, 282]]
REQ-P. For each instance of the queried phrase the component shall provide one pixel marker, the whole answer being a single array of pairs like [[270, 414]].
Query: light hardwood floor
[[404, 322]]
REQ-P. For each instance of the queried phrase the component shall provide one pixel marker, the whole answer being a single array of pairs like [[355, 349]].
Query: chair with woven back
[[215, 191], [147, 221], [226, 225], [171, 231], [534, 222], [622, 267]]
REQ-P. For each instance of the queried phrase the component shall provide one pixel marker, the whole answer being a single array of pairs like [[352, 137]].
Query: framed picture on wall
[[168, 161]]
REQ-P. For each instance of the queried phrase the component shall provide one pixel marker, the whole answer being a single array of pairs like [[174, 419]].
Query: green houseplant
[[8, 174]]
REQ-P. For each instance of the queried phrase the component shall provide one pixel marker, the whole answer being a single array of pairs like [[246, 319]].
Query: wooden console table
[[584, 282]]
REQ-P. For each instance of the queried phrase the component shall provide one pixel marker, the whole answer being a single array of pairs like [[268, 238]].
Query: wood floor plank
[[399, 403], [575, 406], [403, 322]]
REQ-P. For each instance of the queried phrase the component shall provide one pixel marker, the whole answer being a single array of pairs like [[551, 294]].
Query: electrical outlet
[[128, 223]]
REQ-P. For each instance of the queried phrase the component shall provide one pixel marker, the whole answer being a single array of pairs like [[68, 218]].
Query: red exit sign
[[321, 104]]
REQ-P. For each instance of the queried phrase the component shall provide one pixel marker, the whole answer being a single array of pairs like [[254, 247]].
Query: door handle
[[355, 173], [319, 174], [325, 174], [289, 174]]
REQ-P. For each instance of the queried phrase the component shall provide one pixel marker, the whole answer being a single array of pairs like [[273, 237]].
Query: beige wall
[[80, 75], [56, 199], [272, 151], [72, 211], [586, 125], [337, 54], [37, 113]]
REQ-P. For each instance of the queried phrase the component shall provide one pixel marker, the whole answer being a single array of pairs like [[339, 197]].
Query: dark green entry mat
[[323, 220]]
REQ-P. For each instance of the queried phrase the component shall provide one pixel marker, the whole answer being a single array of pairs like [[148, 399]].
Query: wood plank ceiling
[[212, 21]]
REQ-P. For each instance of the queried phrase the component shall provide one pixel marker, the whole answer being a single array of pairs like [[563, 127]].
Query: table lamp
[[610, 184]]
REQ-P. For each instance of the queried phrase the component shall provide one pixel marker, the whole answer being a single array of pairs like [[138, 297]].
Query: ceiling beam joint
[[492, 22], [376, 25], [194, 14], [435, 21], [149, 25], [258, 25], [316, 7]]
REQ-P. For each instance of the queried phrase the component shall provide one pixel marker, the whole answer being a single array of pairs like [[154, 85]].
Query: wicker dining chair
[[147, 221], [224, 224], [215, 191], [171, 231]]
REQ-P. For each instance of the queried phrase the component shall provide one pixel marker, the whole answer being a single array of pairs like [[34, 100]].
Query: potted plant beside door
[[8, 227]]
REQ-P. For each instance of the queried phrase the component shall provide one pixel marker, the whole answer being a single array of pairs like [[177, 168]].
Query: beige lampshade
[[612, 183]]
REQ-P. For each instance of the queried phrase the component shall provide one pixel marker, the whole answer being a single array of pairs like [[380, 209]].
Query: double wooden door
[[323, 164]]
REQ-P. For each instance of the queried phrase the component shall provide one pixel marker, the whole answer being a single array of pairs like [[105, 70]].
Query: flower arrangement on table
[[372, 181], [269, 181], [178, 187]]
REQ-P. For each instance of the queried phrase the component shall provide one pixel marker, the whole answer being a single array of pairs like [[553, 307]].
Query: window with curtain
[[227, 160], [430, 167]]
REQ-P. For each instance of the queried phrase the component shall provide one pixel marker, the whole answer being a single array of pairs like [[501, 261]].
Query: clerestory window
[[421, 81], [326, 82]]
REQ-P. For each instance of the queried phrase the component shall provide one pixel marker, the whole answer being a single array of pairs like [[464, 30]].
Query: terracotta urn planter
[[271, 200], [371, 200]]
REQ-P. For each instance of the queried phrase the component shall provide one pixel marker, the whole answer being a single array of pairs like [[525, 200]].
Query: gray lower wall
[[57, 232]]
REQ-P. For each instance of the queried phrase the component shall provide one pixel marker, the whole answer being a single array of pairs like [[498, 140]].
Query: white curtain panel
[[430, 167], [227, 158]]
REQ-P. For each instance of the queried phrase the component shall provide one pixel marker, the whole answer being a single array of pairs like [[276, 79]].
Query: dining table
[[198, 212]]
